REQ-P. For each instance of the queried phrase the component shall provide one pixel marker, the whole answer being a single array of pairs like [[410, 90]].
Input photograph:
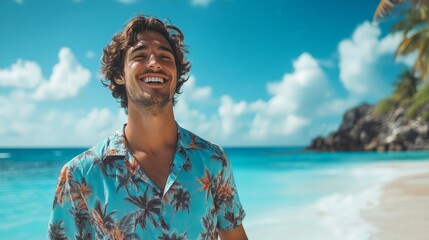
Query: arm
[[237, 233], [230, 211], [70, 217]]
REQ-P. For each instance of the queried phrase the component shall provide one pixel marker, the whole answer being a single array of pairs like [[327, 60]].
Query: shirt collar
[[117, 145]]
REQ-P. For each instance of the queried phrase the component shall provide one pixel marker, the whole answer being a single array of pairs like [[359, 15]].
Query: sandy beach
[[403, 210]]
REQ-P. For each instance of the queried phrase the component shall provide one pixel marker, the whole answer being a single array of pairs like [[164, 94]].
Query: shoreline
[[403, 209]]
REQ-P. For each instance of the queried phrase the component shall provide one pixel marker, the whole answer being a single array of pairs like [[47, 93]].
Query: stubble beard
[[154, 103]]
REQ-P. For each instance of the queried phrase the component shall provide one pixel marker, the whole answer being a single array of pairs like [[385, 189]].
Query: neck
[[151, 132]]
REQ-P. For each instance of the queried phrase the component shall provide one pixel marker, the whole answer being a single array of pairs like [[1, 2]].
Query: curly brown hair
[[112, 62]]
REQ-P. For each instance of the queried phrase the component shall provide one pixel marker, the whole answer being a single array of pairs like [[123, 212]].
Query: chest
[[182, 208], [156, 168]]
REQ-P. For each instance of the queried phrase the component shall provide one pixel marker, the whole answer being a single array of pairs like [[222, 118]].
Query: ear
[[120, 80]]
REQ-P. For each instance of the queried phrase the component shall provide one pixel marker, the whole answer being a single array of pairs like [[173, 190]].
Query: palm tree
[[406, 86], [209, 228], [109, 163], [385, 7], [126, 179], [102, 219], [57, 231], [65, 176], [233, 219], [181, 199], [415, 28], [230, 217], [194, 144], [173, 236], [221, 156], [125, 229], [80, 191], [206, 182], [187, 166], [224, 194], [83, 236], [148, 209], [80, 218], [89, 154]]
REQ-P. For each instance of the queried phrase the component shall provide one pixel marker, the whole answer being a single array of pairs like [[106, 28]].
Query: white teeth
[[153, 79]]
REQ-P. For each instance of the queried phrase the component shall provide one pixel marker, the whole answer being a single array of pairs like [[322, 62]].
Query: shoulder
[[212, 155], [193, 141], [82, 163]]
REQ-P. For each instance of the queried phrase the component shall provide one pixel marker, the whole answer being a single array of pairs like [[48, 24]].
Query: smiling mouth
[[154, 81]]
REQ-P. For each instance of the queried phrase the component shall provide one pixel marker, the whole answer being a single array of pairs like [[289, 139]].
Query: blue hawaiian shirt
[[104, 194]]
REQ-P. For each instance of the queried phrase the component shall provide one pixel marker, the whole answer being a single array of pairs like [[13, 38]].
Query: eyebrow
[[144, 47]]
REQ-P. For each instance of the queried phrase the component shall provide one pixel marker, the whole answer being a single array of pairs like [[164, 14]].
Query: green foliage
[[413, 23], [419, 100], [425, 116], [406, 87], [385, 106]]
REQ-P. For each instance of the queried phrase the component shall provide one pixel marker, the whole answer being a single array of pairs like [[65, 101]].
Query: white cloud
[[193, 93], [191, 118], [338, 106], [14, 111], [201, 3], [295, 99], [22, 74], [24, 126], [301, 90], [359, 56], [229, 113], [67, 78], [99, 123]]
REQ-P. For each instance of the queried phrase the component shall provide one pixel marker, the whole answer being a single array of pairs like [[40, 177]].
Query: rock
[[361, 130]]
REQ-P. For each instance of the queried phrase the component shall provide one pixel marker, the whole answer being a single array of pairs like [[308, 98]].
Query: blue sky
[[264, 73]]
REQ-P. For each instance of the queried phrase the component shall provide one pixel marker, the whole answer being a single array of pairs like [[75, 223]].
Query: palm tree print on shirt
[[65, 176], [57, 231], [103, 221], [209, 228], [81, 213], [179, 197], [149, 208], [79, 192], [173, 236], [125, 180], [234, 219], [81, 218], [207, 182]]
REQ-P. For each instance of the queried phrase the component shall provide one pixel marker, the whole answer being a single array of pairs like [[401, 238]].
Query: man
[[152, 179]]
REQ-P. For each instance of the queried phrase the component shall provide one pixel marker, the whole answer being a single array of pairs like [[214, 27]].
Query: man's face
[[150, 74]]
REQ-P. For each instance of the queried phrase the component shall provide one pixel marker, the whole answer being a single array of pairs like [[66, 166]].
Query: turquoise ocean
[[287, 193]]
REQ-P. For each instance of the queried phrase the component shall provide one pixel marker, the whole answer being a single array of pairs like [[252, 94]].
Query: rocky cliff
[[364, 130]]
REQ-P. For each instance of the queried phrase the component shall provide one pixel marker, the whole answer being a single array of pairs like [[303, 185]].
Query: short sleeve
[[70, 218], [230, 212]]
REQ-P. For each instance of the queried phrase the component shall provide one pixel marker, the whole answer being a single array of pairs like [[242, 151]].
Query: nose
[[153, 63]]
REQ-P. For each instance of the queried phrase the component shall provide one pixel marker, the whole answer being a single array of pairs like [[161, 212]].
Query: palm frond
[[385, 7]]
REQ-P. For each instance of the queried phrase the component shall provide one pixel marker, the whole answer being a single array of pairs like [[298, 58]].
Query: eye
[[166, 57], [140, 57]]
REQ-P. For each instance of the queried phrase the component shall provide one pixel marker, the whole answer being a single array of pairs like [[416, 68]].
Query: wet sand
[[403, 210]]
